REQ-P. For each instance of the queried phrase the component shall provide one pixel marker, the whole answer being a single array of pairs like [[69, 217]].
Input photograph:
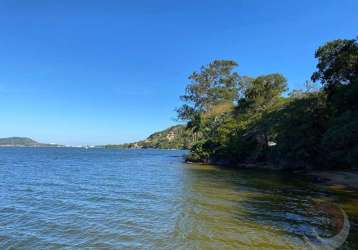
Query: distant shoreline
[[90, 147], [25, 146]]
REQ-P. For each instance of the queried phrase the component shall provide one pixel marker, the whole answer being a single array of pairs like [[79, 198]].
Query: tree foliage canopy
[[214, 84], [337, 63], [243, 120]]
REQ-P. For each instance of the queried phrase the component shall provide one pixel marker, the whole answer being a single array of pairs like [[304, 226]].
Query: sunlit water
[[149, 199]]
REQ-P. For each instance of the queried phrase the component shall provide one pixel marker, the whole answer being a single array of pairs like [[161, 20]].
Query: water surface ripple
[[66, 198]]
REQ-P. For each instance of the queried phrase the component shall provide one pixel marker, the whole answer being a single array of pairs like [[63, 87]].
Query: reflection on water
[[256, 209], [149, 199]]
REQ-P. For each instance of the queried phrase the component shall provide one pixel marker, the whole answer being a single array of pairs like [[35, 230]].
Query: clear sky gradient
[[95, 72]]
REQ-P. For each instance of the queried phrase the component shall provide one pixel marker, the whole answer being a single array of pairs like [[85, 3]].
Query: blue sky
[[94, 72]]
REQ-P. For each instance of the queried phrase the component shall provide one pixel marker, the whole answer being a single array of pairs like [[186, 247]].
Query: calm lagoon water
[[63, 198]]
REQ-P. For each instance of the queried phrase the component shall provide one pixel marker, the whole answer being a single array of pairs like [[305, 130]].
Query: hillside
[[21, 142], [176, 137]]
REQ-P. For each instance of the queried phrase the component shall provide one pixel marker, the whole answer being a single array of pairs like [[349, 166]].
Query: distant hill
[[176, 137], [22, 142]]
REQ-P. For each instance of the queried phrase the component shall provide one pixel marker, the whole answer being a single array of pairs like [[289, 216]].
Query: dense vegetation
[[176, 137], [244, 120]]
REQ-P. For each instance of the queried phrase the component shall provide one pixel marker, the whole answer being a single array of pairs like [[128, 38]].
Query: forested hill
[[243, 120], [21, 142], [176, 137]]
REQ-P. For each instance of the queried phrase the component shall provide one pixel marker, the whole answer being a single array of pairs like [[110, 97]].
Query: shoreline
[[344, 178]]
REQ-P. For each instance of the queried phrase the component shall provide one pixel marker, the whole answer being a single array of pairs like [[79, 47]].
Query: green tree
[[337, 63], [214, 84], [337, 70], [264, 91]]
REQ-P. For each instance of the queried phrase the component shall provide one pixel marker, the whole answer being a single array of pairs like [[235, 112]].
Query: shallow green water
[[149, 199]]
